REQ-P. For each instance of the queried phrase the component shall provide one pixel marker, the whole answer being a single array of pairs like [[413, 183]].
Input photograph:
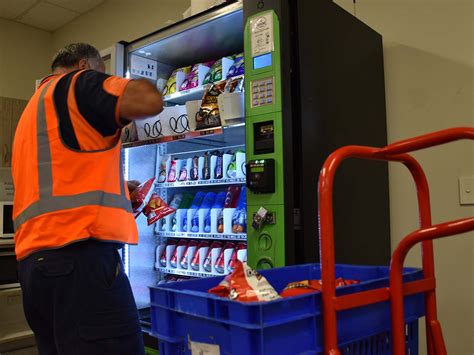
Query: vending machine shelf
[[214, 236]]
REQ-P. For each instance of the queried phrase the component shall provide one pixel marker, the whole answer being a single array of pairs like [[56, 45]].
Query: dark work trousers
[[78, 301]]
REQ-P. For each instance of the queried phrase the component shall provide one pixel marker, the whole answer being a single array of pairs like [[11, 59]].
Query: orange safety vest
[[63, 195]]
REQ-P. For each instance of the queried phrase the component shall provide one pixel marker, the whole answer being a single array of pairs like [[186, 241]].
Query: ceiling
[[47, 15]]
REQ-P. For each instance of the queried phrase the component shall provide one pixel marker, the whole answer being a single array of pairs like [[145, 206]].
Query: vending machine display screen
[[262, 61]]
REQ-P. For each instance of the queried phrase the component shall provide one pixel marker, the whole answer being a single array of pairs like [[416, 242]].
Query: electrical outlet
[[466, 191]]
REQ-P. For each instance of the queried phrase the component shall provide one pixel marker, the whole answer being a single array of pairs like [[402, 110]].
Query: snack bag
[[235, 84], [239, 219], [207, 203], [232, 167], [195, 259], [188, 254], [220, 261], [162, 172], [239, 253], [170, 87], [172, 172], [218, 172], [163, 253], [206, 170], [245, 285], [140, 196], [208, 115], [309, 286], [192, 79], [156, 209], [174, 257], [174, 204], [207, 263], [238, 67], [214, 74], [218, 204], [195, 168], [231, 198], [194, 206], [184, 203]]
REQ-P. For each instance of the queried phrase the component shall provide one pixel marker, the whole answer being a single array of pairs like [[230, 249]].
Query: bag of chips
[[208, 115], [239, 219], [214, 74], [141, 195], [156, 209], [309, 286], [238, 67], [192, 79], [245, 285], [235, 84], [170, 87]]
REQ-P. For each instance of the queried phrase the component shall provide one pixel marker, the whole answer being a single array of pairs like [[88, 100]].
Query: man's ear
[[84, 64]]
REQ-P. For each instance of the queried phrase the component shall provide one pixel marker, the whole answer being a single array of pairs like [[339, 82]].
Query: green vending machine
[[314, 82]]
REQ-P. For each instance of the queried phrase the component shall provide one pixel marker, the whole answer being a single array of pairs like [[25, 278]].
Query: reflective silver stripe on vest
[[47, 202]]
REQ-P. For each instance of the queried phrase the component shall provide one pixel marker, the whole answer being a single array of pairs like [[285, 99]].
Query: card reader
[[261, 176]]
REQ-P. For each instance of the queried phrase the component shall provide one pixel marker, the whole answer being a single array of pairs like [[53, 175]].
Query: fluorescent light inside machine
[[126, 174]]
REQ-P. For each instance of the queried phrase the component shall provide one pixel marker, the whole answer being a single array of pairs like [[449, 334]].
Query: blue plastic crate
[[184, 311]]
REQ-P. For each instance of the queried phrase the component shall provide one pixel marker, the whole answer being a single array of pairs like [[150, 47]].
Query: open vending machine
[[257, 95]]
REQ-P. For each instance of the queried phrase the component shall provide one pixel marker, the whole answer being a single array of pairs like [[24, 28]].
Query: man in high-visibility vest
[[72, 209]]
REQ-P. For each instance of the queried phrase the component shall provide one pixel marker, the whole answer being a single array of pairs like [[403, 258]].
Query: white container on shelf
[[202, 256], [214, 216], [215, 254], [200, 167], [179, 253], [171, 121], [242, 255], [213, 166], [169, 252], [191, 213], [158, 251], [231, 107], [202, 70], [168, 222], [192, 108], [240, 162], [226, 160], [202, 212], [179, 165], [180, 213], [228, 214], [167, 165], [227, 257], [129, 133], [226, 64]]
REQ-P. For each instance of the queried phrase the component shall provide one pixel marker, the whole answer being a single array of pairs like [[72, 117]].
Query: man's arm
[[140, 99]]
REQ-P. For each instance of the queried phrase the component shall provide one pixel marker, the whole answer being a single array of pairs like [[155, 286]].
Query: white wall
[[25, 55], [429, 68], [117, 20], [429, 56]]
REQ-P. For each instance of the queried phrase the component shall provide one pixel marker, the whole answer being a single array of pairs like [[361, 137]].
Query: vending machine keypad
[[262, 92]]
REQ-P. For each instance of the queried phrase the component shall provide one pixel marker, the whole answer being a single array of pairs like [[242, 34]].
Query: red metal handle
[[392, 152], [396, 283], [428, 140]]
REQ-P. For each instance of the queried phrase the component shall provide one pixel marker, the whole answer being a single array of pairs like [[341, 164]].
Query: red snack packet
[[156, 209], [195, 260], [140, 196], [309, 286], [220, 262], [174, 257], [245, 285]]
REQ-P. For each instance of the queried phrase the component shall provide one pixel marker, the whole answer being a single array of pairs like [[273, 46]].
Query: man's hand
[[132, 185]]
